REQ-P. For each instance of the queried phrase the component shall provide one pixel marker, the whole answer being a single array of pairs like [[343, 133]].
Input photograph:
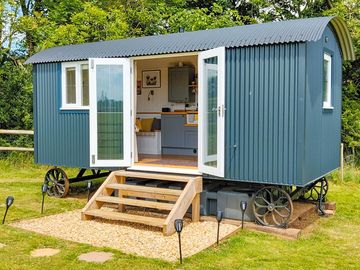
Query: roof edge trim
[[344, 38]]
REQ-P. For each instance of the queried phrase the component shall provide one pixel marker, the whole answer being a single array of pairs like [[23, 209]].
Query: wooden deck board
[[155, 176], [145, 189], [171, 161]]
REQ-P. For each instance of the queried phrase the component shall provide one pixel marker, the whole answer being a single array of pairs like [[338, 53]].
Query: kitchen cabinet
[[176, 138], [180, 79]]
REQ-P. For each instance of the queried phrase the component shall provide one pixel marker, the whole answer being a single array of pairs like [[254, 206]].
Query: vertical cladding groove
[[251, 143], [262, 117], [255, 114], [242, 95], [63, 137], [236, 113], [264, 168], [34, 111], [246, 114]]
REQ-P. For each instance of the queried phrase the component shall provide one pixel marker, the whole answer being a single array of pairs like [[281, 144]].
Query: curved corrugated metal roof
[[300, 30]]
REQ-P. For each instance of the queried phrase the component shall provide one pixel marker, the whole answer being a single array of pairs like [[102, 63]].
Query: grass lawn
[[334, 243]]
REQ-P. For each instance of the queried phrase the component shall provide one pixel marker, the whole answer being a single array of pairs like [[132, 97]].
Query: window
[[327, 82], [75, 85]]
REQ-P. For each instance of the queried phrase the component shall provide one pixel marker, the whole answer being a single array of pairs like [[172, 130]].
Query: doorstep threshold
[[163, 169]]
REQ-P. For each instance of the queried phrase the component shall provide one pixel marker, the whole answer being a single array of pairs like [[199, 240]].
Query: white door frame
[[219, 170], [127, 106]]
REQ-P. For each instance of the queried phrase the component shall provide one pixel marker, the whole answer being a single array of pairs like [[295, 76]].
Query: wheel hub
[[271, 207]]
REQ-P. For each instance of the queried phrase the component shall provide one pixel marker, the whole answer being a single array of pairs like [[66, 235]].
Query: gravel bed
[[129, 238]]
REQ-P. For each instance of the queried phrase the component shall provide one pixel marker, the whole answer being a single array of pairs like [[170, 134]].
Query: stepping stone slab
[[44, 252], [96, 257], [2, 245]]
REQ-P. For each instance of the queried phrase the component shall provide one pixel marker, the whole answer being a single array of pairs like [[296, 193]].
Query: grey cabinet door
[[172, 130], [191, 137], [179, 80]]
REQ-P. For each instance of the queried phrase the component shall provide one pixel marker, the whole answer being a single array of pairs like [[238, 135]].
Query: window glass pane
[[109, 95], [211, 88], [70, 86], [85, 84], [325, 81]]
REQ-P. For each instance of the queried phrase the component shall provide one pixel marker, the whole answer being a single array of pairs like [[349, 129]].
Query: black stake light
[[44, 188], [9, 201], [178, 223], [89, 186], [243, 206], [219, 217]]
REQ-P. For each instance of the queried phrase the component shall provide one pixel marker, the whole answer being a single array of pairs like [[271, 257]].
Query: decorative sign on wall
[[138, 87], [151, 79]]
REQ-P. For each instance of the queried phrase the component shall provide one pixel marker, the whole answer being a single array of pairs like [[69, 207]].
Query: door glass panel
[[85, 84], [70, 86], [110, 125], [211, 111]]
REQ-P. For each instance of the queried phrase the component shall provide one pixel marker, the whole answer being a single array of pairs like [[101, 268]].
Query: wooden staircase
[[175, 202]]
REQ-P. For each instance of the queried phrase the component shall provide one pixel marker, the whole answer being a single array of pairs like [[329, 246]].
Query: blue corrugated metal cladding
[[322, 126], [61, 137], [264, 96], [276, 129]]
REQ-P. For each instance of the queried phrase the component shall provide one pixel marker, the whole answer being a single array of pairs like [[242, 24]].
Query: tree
[[349, 10]]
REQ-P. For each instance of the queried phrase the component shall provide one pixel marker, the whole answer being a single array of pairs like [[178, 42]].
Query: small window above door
[[75, 86]]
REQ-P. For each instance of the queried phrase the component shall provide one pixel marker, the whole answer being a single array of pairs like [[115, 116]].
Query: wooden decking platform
[[174, 201], [170, 161]]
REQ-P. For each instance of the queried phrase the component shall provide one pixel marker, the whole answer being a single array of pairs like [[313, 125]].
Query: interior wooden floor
[[170, 161]]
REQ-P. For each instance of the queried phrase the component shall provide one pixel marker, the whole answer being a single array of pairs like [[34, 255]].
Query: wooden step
[[134, 202], [118, 216], [164, 194], [154, 176]]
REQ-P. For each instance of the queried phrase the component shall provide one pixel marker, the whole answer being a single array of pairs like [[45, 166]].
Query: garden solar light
[[89, 186], [9, 202], [219, 217], [243, 206], [44, 188], [178, 223]]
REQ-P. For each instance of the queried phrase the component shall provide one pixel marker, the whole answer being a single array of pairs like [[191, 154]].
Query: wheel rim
[[57, 182], [272, 207], [314, 193]]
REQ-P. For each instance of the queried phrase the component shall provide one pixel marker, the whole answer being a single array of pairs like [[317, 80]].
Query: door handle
[[217, 109], [223, 109]]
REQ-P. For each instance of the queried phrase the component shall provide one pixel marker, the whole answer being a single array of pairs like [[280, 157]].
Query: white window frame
[[78, 86], [327, 104]]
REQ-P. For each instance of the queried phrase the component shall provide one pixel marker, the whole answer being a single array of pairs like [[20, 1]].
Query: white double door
[[111, 123]]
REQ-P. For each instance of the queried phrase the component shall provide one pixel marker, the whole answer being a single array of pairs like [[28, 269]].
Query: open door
[[110, 118], [211, 128]]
